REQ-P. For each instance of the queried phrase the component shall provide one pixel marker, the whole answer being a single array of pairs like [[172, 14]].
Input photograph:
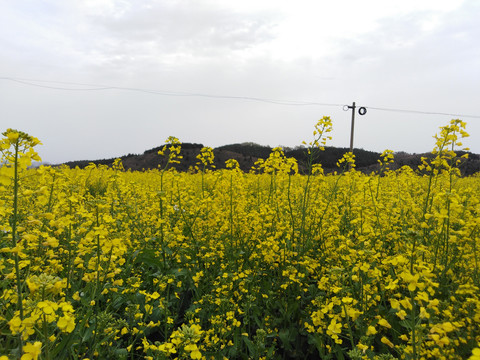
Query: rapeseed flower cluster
[[103, 263]]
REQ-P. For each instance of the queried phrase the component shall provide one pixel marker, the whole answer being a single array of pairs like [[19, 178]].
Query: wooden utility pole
[[353, 125], [361, 111]]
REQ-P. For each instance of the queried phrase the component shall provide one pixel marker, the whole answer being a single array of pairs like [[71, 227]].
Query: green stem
[[377, 217], [231, 210], [14, 232], [162, 231], [414, 339], [203, 182], [475, 273], [50, 197], [350, 332], [97, 265], [292, 219], [69, 246], [97, 283], [304, 209]]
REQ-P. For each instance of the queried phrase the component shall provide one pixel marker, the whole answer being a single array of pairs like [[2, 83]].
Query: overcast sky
[[409, 55]]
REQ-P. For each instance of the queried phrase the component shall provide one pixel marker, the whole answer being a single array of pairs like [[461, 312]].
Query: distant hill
[[248, 153]]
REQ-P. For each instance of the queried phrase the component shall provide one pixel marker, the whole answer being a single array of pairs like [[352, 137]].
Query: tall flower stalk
[[17, 150], [320, 136]]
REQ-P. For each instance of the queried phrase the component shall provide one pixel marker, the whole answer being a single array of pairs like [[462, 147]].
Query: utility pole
[[353, 126], [361, 111]]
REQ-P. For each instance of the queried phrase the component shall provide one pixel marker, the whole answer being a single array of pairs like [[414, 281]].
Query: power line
[[93, 87], [159, 92], [422, 112], [22, 81]]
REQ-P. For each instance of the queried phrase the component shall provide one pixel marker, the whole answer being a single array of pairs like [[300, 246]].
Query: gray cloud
[[189, 28]]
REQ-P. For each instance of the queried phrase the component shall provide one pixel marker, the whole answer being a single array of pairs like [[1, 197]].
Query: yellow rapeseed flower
[[66, 323], [475, 354], [32, 351], [371, 330], [384, 323], [387, 342]]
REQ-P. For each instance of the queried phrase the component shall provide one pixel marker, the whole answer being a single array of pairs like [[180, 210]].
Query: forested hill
[[248, 153]]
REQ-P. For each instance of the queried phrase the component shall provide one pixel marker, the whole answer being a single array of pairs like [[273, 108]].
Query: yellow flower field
[[103, 263]]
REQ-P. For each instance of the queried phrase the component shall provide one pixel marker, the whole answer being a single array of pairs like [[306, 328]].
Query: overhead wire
[[160, 92], [422, 112], [27, 82], [92, 87]]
